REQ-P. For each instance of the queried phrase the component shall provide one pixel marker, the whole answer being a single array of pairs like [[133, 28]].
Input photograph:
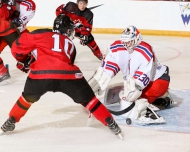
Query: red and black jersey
[[54, 53], [82, 17]]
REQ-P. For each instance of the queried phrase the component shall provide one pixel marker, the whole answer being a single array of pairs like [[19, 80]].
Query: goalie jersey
[[141, 63]]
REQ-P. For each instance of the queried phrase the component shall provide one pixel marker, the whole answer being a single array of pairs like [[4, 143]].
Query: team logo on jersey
[[185, 13], [78, 75]]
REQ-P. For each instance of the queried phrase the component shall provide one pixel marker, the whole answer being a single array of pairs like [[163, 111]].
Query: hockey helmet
[[64, 25]]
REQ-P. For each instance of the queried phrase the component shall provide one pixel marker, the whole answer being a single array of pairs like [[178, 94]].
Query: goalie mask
[[64, 25], [130, 37]]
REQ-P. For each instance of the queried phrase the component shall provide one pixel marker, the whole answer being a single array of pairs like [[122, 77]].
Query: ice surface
[[57, 124]]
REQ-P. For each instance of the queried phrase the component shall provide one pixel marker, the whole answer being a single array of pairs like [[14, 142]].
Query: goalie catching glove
[[99, 81], [131, 90]]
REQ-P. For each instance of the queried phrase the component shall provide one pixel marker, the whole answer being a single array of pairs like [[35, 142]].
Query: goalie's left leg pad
[[99, 111]]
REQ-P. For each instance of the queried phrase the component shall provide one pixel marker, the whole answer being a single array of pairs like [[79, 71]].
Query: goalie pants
[[155, 90]]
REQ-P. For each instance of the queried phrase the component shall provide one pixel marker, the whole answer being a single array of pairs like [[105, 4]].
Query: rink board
[[177, 116]]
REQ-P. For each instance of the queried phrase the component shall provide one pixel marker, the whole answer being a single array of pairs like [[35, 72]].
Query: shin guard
[[19, 109], [98, 110]]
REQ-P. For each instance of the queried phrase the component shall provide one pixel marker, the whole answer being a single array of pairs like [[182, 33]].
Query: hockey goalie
[[145, 79]]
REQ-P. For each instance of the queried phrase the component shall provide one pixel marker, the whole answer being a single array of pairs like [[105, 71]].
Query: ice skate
[[5, 79], [163, 103], [150, 117], [113, 126], [9, 125]]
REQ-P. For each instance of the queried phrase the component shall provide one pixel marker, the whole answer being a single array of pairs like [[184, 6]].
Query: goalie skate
[[165, 101]]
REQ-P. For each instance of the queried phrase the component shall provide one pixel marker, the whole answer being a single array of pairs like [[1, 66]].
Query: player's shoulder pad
[[38, 31], [89, 12]]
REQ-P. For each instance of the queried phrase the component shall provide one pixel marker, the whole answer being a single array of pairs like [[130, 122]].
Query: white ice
[[56, 123]]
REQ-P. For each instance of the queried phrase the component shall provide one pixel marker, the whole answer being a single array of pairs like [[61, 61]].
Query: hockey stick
[[90, 8], [117, 113]]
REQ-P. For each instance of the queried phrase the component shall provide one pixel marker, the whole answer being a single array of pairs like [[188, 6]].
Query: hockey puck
[[128, 121]]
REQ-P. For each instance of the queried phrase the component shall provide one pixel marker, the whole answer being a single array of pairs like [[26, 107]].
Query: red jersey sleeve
[[22, 47], [60, 10]]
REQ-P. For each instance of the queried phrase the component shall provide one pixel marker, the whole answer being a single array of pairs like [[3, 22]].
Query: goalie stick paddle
[[117, 113]]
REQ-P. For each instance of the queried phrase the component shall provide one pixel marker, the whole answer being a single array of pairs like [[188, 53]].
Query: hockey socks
[[98, 110], [3, 69], [95, 49], [19, 109]]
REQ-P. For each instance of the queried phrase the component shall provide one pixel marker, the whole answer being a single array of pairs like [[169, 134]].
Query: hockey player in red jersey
[[21, 12], [53, 70], [83, 19], [8, 34]]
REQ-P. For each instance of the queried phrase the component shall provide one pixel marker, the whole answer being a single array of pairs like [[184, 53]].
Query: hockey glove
[[83, 39], [17, 22], [24, 66], [99, 81], [9, 2]]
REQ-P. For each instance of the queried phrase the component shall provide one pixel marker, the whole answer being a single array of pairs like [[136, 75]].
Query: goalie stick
[[117, 113]]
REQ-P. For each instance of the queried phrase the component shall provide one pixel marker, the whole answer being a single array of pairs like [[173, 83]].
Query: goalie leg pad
[[123, 105], [141, 107], [99, 111], [145, 115]]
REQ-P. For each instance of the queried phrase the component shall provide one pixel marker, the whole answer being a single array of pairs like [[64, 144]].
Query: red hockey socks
[[19, 109], [3, 69], [95, 49], [98, 110]]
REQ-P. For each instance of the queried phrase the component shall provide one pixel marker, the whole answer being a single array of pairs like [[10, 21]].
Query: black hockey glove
[[83, 39], [24, 66], [17, 22]]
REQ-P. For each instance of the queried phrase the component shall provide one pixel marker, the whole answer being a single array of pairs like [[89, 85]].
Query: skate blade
[[120, 136], [1, 132], [90, 120]]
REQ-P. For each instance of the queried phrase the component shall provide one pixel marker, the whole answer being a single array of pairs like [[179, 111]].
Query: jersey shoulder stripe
[[30, 5], [145, 51], [117, 46]]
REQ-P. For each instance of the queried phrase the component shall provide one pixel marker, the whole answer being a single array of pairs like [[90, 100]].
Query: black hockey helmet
[[82, 0], [64, 25]]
